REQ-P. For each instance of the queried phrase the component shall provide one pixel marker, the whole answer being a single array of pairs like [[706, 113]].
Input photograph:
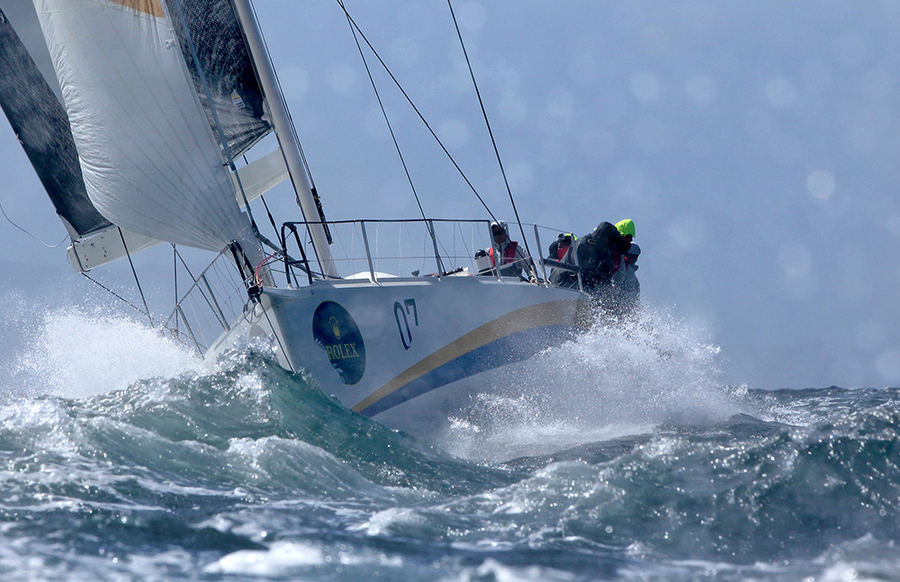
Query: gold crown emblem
[[335, 329]]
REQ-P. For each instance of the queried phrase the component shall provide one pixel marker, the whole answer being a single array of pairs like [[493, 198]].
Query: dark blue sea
[[619, 456]]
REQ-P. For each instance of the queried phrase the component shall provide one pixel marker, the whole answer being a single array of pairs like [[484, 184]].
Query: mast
[[284, 131]]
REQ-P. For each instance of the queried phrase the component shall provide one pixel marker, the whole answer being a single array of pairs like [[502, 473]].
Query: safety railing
[[207, 302], [363, 249], [378, 249]]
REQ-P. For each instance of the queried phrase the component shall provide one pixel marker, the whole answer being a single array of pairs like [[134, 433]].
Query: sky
[[754, 143]]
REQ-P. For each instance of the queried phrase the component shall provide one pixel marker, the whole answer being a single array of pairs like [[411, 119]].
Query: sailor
[[561, 250], [559, 247], [625, 283], [513, 258], [599, 255]]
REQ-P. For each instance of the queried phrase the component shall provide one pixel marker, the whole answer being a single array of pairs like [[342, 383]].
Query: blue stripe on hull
[[513, 348]]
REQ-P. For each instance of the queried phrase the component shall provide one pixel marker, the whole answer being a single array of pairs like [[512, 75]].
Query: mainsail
[[221, 68]]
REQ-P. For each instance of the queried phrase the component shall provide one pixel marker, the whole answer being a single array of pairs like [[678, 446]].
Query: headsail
[[154, 95], [149, 160]]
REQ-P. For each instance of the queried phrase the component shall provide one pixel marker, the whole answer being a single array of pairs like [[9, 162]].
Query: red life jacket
[[561, 251], [623, 263], [509, 254]]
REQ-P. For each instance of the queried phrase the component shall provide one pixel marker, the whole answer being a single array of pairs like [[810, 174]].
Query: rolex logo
[[335, 331]]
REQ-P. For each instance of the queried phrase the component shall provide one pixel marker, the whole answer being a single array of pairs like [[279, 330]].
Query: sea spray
[[617, 379], [76, 353]]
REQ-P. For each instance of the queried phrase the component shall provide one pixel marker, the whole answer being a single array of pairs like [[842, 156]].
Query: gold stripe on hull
[[544, 314]]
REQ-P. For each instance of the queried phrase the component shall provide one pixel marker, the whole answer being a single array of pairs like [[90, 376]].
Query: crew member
[[562, 250], [559, 247], [513, 258], [599, 254]]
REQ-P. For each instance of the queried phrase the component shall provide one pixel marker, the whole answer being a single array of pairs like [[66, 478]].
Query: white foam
[[75, 354], [612, 381], [381, 522], [280, 559], [494, 570], [286, 558]]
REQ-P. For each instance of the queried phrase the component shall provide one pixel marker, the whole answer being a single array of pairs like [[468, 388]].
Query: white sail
[[150, 162]]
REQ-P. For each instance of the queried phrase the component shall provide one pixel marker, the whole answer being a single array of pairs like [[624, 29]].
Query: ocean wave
[[247, 470]]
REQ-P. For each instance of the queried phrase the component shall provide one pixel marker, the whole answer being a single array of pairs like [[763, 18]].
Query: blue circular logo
[[337, 333]]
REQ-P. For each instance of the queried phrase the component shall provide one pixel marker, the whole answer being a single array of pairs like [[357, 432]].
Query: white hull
[[406, 351]]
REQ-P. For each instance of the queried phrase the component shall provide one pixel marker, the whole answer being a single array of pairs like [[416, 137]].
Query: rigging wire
[[384, 111], [113, 293], [488, 124], [309, 176], [412, 186], [268, 212], [175, 280], [272, 220], [136, 280], [416, 109], [49, 246], [175, 332]]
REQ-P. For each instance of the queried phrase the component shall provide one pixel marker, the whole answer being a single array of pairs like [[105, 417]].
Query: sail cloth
[[227, 68], [29, 96], [150, 161]]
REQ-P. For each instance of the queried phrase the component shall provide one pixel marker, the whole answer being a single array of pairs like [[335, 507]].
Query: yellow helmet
[[625, 227]]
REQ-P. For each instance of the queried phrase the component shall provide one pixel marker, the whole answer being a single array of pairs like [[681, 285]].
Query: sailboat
[[134, 114]]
